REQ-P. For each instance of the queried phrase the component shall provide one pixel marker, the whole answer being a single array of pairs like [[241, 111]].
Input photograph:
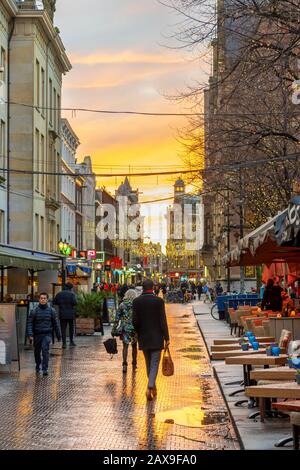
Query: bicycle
[[214, 311]]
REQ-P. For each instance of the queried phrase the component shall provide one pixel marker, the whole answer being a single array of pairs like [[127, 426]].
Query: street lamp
[[65, 248]]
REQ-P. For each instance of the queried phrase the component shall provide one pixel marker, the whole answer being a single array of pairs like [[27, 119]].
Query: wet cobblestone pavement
[[87, 403]]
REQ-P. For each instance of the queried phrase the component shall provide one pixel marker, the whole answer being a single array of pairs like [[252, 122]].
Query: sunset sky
[[120, 62]]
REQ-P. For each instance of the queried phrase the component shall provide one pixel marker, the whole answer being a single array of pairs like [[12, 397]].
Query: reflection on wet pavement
[[86, 402]]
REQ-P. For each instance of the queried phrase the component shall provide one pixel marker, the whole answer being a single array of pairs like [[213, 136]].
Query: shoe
[[37, 370], [124, 368], [73, 344], [45, 373], [64, 346], [149, 394], [154, 392]]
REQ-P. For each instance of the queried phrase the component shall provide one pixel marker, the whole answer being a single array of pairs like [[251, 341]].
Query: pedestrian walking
[[124, 328], [66, 301], [42, 323], [206, 292], [199, 290], [150, 323]]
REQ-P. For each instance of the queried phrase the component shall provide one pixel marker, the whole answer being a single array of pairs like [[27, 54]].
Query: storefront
[[23, 272], [276, 245]]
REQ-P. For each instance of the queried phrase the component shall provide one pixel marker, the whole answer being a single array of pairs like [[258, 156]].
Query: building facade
[[70, 143], [86, 199], [8, 12], [125, 191], [184, 257], [38, 62]]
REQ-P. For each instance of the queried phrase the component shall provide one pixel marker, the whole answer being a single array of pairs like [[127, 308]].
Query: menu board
[[8, 334]]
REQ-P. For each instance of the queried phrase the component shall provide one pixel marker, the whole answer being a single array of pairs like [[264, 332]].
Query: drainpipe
[[12, 28]]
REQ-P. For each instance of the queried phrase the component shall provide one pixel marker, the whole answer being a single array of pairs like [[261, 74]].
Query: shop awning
[[14, 258], [261, 246]]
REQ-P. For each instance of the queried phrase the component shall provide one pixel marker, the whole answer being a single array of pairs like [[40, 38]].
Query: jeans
[[125, 353], [152, 358], [63, 326], [41, 345]]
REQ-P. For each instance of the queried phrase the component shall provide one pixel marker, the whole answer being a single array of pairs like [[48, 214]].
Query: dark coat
[[150, 322], [43, 321], [272, 299], [66, 301]]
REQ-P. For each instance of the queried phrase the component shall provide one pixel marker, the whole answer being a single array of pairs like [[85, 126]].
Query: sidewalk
[[87, 403], [254, 434]]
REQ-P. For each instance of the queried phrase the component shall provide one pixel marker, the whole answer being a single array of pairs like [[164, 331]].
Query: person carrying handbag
[[150, 323], [124, 328]]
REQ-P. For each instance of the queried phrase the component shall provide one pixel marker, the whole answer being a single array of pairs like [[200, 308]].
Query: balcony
[[52, 203]]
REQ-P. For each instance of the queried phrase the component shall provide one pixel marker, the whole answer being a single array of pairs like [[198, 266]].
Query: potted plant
[[88, 312], [298, 376]]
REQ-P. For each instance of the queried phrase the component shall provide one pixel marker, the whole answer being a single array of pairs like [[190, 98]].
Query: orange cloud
[[125, 57]]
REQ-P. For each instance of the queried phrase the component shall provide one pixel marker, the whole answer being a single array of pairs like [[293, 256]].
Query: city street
[[87, 403]]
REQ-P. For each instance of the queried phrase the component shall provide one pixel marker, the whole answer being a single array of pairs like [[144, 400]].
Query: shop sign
[[91, 254], [100, 256]]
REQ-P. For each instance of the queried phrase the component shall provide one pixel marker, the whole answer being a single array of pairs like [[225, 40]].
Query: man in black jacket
[[150, 323], [42, 322], [66, 301]]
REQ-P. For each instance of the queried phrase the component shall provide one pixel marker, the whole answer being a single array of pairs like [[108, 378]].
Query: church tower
[[179, 191]]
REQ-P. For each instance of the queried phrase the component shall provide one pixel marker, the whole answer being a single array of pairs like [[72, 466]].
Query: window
[[250, 272], [2, 64], [42, 233], [55, 112], [38, 83], [37, 160], [36, 231], [57, 234], [43, 92], [50, 102], [43, 165], [2, 147], [2, 226], [58, 112]]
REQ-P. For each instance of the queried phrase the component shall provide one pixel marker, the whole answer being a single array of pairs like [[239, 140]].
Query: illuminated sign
[[91, 254]]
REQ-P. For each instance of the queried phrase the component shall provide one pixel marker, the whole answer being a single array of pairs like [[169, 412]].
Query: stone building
[[8, 11], [70, 143], [38, 62], [184, 260]]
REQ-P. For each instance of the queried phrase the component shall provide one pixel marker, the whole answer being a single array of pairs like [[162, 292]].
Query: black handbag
[[111, 346]]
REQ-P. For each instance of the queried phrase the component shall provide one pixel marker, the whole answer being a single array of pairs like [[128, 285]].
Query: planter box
[[85, 326]]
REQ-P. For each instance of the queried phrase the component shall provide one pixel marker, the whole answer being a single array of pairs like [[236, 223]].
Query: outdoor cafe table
[[247, 361], [278, 390], [237, 352], [231, 347], [286, 407], [275, 373], [265, 339]]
